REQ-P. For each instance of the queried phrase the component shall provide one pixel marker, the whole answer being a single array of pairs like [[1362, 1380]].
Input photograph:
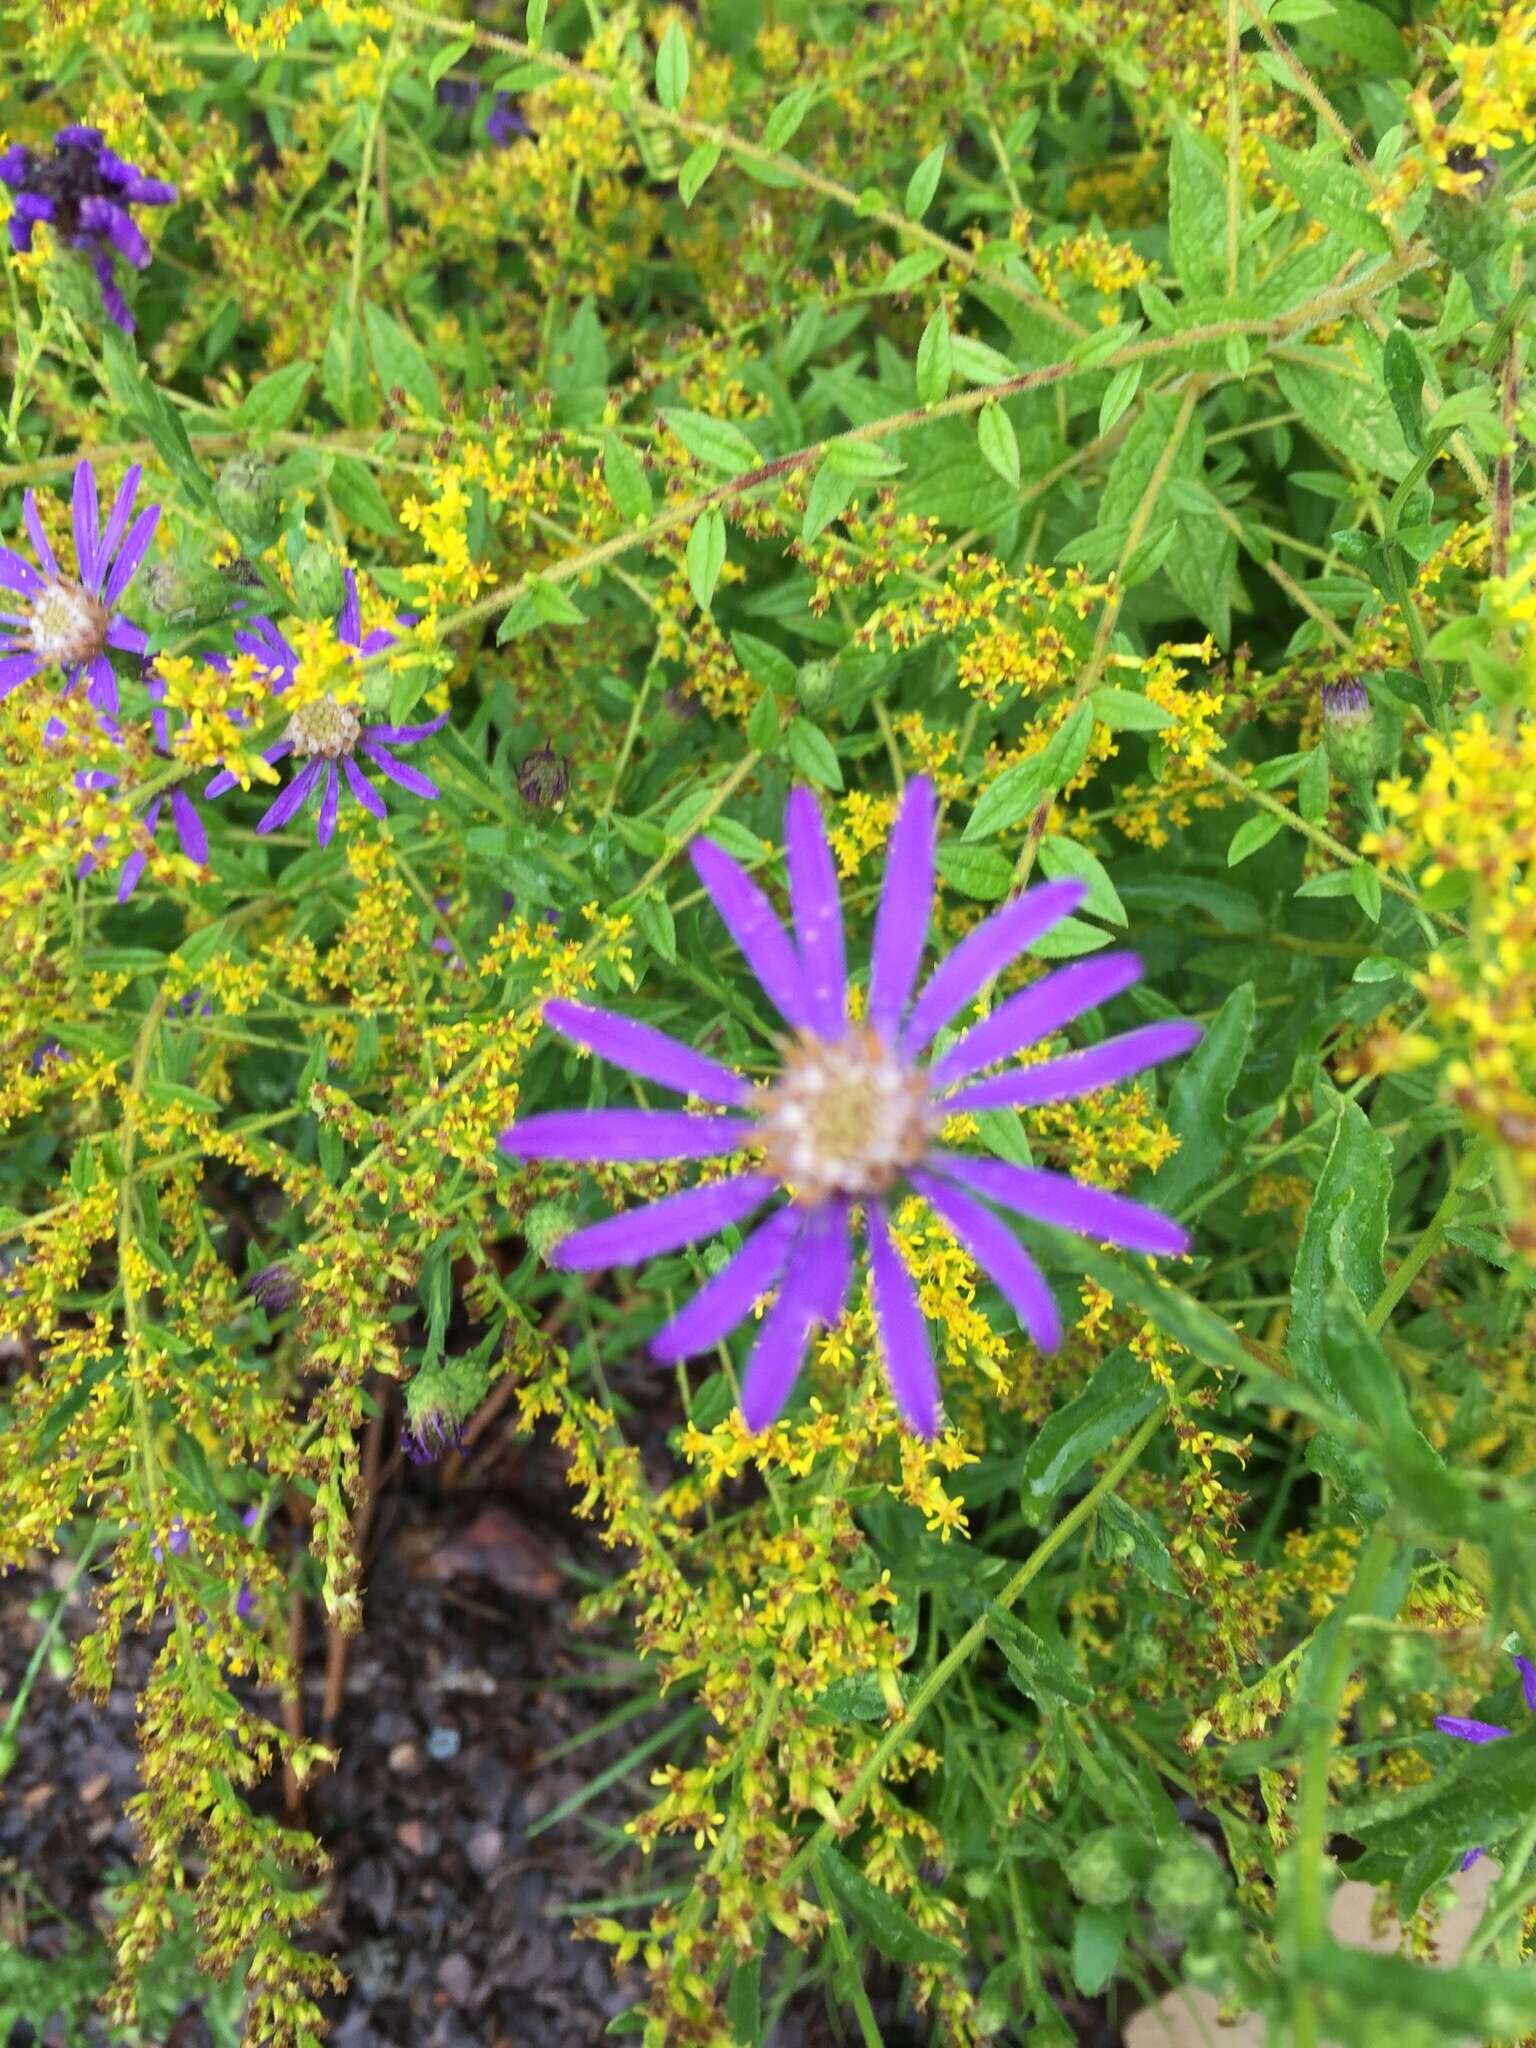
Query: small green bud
[[815, 682], [544, 1226], [1349, 726], [186, 592], [319, 582], [979, 1883], [1106, 1870], [61, 1659], [249, 501], [438, 1401], [1187, 1885]]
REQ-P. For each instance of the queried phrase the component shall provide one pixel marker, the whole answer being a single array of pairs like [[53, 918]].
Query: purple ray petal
[[33, 206], [779, 1352], [363, 789], [751, 921], [398, 771], [39, 539], [403, 735], [87, 523], [1057, 1199], [99, 216], [1469, 1731], [131, 876], [1080, 1073], [117, 519], [18, 574], [817, 912], [19, 229], [350, 624], [326, 823], [663, 1226], [282, 807], [903, 1333], [611, 1136], [122, 633], [906, 902], [131, 553], [641, 1049], [190, 835], [1034, 1012], [725, 1300], [835, 1263], [1527, 1671], [16, 669], [1470, 1858], [983, 953], [114, 305], [998, 1252], [102, 694], [224, 780]]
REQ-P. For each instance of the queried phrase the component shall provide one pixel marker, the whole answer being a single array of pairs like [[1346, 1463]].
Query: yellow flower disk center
[[846, 1116], [66, 624], [324, 727]]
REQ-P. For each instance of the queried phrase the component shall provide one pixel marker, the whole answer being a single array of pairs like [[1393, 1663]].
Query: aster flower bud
[[438, 1402], [186, 592], [1107, 1869], [543, 780], [319, 582], [274, 1287], [1187, 1885], [249, 501], [1466, 226], [1349, 726], [815, 682], [545, 1224]]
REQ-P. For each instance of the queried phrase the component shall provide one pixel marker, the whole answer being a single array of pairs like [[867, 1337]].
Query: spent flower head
[[856, 1114]]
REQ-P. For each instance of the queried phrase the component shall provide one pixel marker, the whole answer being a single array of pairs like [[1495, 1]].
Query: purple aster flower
[[327, 736], [174, 804], [430, 1436], [84, 190], [73, 620], [856, 1110], [1464, 1730]]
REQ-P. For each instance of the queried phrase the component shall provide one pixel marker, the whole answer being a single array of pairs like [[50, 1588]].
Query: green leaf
[[449, 55], [763, 725], [628, 485], [977, 362], [1345, 1231], [706, 555], [1312, 787], [1252, 834], [1098, 1936], [1197, 213], [1060, 857], [1405, 386], [357, 497], [1121, 389], [1350, 416], [935, 360], [672, 66], [1365, 885], [831, 492], [1197, 1103], [653, 920], [551, 605], [273, 401], [980, 872], [716, 443], [910, 270], [1034, 1670], [1120, 1394], [886, 1924], [787, 116], [696, 168], [1332, 192], [1364, 33], [865, 460], [998, 442], [398, 361], [744, 2004], [811, 752], [533, 30], [1148, 1553], [765, 663], [1128, 711], [924, 182], [1478, 1794], [1019, 790]]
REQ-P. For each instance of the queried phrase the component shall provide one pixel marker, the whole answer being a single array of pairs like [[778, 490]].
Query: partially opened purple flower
[[73, 620], [83, 190], [855, 1112], [1465, 1730], [327, 736]]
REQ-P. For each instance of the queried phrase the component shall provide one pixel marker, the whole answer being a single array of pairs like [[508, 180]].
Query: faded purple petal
[[779, 1352], [1469, 1731], [16, 669], [1470, 1858], [122, 633], [1527, 1671], [1080, 1073], [998, 1252], [189, 827], [641, 1049], [132, 552], [906, 901], [817, 911], [1035, 1011], [725, 1300], [645, 1233], [363, 789], [18, 574], [326, 823], [984, 953], [102, 694], [87, 518], [350, 624], [835, 1263], [751, 921], [39, 539], [131, 876], [610, 1136], [1057, 1199], [903, 1332], [282, 808], [398, 771], [117, 520]]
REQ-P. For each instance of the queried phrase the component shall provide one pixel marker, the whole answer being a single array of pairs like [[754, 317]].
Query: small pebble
[[443, 1744]]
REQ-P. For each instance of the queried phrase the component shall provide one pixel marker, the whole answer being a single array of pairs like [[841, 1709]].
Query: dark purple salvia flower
[[73, 620], [1464, 1730], [83, 190], [856, 1111], [327, 737]]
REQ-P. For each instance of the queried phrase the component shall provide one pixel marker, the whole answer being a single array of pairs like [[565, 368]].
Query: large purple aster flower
[[84, 190], [1465, 1730], [72, 620], [856, 1111], [327, 736]]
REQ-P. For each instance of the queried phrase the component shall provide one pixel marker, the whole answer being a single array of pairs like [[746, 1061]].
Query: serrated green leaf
[[765, 663], [786, 117], [1121, 389], [398, 361], [831, 491], [763, 725], [653, 920], [1118, 1397], [923, 183], [1060, 857], [909, 271], [628, 485], [1405, 386], [980, 872], [1020, 788], [866, 460], [1197, 213], [716, 443], [1128, 711], [812, 753], [1197, 1102], [272, 402], [886, 1923]]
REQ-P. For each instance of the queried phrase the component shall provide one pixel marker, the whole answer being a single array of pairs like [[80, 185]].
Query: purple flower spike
[[853, 1118], [1461, 1729], [83, 190], [327, 737], [72, 621]]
